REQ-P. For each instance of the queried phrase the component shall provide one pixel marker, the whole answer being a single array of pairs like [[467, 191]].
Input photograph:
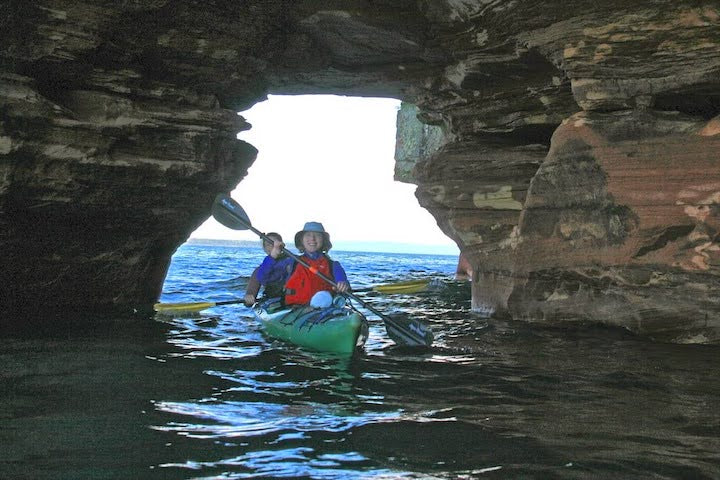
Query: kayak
[[408, 286], [411, 286], [337, 328]]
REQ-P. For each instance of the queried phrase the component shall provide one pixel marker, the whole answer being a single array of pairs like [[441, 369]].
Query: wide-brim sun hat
[[313, 227]]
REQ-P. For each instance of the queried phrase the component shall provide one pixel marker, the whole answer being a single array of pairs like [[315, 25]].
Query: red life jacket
[[303, 284]]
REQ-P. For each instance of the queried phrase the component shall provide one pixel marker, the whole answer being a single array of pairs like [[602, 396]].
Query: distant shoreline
[[366, 247], [214, 242]]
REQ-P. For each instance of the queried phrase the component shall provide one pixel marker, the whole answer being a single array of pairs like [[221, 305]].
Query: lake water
[[209, 397]]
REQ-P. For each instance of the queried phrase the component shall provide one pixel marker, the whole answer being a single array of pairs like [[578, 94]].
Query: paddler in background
[[302, 285], [276, 277]]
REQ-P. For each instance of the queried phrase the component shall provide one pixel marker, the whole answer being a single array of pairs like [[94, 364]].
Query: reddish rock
[[621, 225]]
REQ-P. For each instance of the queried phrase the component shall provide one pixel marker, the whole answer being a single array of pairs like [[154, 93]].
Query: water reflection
[[208, 396], [300, 462], [245, 419]]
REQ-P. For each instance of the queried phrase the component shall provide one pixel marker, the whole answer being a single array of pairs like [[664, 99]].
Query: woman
[[302, 284]]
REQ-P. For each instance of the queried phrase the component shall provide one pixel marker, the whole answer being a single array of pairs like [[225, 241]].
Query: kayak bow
[[338, 329]]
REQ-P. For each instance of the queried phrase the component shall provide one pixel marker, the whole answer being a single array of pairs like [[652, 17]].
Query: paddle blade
[[228, 212], [179, 308], [408, 332]]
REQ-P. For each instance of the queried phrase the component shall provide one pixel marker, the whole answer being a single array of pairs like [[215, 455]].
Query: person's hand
[[277, 249], [249, 300], [342, 287]]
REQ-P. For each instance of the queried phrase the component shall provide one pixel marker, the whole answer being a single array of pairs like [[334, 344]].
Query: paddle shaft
[[198, 306]]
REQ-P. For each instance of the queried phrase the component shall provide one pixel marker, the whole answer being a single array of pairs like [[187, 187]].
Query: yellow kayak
[[408, 286]]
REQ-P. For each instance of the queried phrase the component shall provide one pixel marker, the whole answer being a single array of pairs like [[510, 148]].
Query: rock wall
[[569, 148], [580, 168], [622, 219], [111, 155]]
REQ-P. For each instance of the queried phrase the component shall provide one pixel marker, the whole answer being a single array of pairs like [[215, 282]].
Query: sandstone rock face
[[107, 163], [622, 218], [580, 168], [569, 148]]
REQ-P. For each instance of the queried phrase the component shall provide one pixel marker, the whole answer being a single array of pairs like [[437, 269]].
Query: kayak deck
[[339, 329]]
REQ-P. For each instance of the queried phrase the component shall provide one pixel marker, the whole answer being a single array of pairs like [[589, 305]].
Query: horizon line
[[352, 245]]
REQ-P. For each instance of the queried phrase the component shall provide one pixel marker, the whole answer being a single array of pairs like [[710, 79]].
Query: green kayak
[[339, 329]]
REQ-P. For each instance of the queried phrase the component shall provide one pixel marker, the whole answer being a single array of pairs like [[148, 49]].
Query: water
[[207, 396]]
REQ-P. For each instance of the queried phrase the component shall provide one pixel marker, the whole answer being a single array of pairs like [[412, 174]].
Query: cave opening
[[329, 158]]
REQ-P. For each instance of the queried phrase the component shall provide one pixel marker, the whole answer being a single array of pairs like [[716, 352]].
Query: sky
[[330, 159]]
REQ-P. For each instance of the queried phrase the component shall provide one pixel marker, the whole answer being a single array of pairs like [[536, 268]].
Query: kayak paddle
[[401, 330], [409, 286], [189, 307]]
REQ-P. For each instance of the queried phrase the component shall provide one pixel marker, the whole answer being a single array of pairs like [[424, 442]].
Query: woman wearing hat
[[302, 284]]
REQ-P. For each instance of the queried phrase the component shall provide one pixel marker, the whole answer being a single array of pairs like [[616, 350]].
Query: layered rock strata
[[569, 148], [578, 165]]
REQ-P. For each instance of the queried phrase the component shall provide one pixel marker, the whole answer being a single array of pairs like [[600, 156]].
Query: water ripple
[[234, 419], [491, 397]]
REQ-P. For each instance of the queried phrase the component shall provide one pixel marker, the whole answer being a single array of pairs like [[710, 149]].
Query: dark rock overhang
[[570, 149]]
